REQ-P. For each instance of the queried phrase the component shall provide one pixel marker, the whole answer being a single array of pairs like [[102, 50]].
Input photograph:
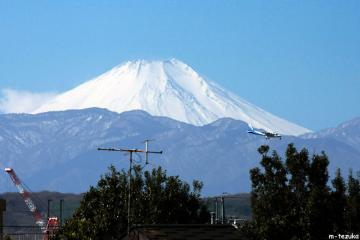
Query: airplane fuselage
[[267, 135]]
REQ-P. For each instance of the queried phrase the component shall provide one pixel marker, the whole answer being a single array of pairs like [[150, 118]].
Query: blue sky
[[297, 59]]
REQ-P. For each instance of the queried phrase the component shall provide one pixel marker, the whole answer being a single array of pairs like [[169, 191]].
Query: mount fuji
[[170, 89]]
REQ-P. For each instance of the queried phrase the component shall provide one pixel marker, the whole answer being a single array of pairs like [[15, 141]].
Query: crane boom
[[26, 196]]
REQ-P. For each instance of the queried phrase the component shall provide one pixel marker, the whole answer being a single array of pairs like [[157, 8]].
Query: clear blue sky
[[297, 59]]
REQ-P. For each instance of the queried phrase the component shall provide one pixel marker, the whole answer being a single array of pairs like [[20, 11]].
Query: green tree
[[156, 198], [318, 201], [353, 200], [292, 199], [338, 204], [298, 167], [269, 197]]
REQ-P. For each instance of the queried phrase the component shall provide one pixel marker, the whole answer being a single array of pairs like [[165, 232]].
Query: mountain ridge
[[54, 150], [166, 88]]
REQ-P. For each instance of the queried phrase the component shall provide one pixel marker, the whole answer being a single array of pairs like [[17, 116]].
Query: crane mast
[[26, 196]]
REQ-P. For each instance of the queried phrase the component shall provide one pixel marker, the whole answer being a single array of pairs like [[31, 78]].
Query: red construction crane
[[52, 222]]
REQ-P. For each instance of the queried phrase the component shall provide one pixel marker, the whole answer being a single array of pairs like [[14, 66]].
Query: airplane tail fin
[[250, 127]]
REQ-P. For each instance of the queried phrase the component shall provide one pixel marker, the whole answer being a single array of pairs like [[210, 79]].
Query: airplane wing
[[260, 133], [251, 128]]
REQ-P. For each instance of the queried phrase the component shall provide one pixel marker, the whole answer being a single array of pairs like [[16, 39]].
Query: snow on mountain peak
[[166, 88]]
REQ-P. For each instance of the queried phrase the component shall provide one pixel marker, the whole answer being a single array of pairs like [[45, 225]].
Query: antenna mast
[[147, 150], [131, 151]]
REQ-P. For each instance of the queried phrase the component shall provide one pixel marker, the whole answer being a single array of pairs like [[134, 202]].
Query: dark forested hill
[[17, 213]]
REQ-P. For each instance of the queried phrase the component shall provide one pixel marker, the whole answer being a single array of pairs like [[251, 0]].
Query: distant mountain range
[[190, 118], [57, 151]]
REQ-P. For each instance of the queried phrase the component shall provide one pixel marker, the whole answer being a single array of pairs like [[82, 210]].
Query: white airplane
[[267, 135]]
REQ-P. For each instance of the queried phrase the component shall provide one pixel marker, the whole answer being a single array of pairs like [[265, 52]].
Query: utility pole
[[61, 211], [222, 199], [222, 210], [48, 209], [216, 211], [131, 151]]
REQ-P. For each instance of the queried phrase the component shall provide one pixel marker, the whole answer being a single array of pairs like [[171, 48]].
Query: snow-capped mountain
[[167, 88]]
